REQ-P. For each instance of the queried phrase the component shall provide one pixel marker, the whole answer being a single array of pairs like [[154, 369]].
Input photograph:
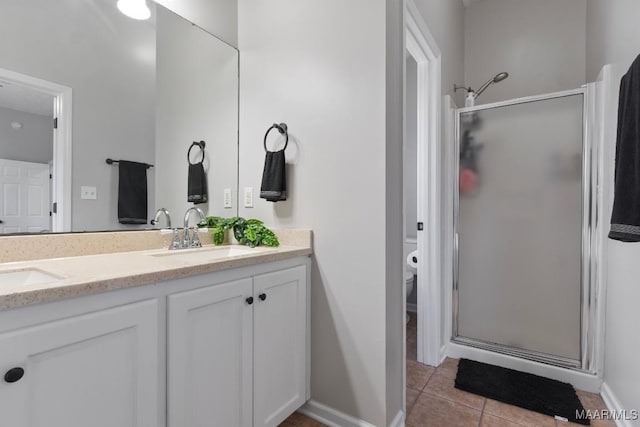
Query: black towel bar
[[111, 161], [283, 129]]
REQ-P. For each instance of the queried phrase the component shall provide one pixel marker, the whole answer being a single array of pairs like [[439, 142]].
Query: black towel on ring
[[625, 218], [274, 177], [132, 192], [197, 191]]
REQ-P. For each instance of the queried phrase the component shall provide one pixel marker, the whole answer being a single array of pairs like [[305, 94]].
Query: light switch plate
[[88, 193], [227, 198], [248, 197]]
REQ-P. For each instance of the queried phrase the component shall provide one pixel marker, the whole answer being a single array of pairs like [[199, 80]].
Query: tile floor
[[433, 401]]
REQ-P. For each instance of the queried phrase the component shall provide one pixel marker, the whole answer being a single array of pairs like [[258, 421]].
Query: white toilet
[[410, 268], [408, 281]]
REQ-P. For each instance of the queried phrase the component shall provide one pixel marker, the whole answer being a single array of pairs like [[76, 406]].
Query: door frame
[[422, 46], [62, 142]]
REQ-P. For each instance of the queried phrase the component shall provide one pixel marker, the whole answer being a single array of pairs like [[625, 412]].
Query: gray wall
[[218, 17], [613, 33], [540, 43], [109, 62], [303, 63], [197, 99], [445, 19], [411, 149], [613, 36], [393, 227], [32, 143]]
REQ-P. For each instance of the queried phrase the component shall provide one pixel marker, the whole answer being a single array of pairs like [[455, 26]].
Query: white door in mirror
[[24, 197]]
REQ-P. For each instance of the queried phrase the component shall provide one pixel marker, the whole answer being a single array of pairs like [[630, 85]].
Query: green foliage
[[249, 232]]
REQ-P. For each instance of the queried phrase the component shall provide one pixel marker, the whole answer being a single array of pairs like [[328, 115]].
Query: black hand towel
[[274, 179], [132, 192], [625, 219], [197, 192]]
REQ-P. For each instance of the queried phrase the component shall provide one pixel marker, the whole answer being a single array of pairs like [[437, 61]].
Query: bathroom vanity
[[214, 336]]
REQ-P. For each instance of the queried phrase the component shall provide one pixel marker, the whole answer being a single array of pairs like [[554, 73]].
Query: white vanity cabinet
[[280, 345], [98, 369], [237, 351], [209, 375], [223, 349]]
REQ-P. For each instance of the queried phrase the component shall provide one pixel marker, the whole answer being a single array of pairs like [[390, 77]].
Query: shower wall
[[540, 43]]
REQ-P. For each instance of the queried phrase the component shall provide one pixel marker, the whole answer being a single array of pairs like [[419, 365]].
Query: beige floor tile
[[594, 423], [437, 412], [418, 375], [298, 420], [412, 396], [412, 350], [518, 415], [443, 386], [591, 401], [449, 367], [489, 420]]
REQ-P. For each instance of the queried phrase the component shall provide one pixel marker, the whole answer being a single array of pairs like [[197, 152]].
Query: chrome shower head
[[497, 79], [500, 77]]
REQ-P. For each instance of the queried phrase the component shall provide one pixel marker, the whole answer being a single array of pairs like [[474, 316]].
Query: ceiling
[[468, 3], [26, 100]]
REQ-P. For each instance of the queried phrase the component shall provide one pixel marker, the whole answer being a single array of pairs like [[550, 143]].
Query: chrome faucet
[[187, 214], [192, 241], [159, 212]]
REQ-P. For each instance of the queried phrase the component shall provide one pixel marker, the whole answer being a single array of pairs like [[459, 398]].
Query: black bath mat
[[528, 391]]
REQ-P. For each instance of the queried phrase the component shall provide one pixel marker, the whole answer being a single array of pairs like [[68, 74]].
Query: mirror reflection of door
[[26, 156]]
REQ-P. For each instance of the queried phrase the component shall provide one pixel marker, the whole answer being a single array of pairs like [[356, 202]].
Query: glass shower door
[[520, 228]]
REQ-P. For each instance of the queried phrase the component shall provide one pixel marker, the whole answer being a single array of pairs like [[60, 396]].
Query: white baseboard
[[412, 307], [613, 404], [398, 421], [332, 417]]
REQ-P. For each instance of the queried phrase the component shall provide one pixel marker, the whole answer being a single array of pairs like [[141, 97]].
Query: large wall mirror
[[121, 89]]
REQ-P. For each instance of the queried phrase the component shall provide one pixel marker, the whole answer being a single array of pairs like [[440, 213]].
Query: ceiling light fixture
[[136, 9]]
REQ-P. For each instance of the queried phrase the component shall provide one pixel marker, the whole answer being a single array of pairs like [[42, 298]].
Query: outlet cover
[[248, 197], [227, 198], [88, 193]]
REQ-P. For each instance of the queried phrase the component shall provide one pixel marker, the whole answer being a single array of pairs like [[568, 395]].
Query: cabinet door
[[280, 325], [98, 369], [210, 356]]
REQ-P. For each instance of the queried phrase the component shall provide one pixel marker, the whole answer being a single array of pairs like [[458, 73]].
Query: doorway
[[35, 154], [422, 149]]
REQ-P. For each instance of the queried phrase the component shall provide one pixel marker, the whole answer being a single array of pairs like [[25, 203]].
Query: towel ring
[[201, 145], [282, 128]]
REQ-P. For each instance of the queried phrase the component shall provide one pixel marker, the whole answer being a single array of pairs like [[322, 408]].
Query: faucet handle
[[175, 243], [195, 240]]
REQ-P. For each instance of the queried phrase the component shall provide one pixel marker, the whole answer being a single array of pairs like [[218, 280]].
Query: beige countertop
[[91, 274]]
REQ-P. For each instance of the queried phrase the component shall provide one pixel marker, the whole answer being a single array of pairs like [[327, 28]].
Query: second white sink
[[210, 254], [25, 277]]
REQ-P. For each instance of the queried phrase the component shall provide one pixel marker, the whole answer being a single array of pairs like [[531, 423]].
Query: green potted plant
[[249, 232]]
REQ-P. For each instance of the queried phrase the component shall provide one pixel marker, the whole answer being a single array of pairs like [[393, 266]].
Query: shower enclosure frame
[[591, 326]]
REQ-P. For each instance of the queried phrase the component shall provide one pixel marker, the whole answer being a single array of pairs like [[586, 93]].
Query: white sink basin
[[27, 276], [210, 254]]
